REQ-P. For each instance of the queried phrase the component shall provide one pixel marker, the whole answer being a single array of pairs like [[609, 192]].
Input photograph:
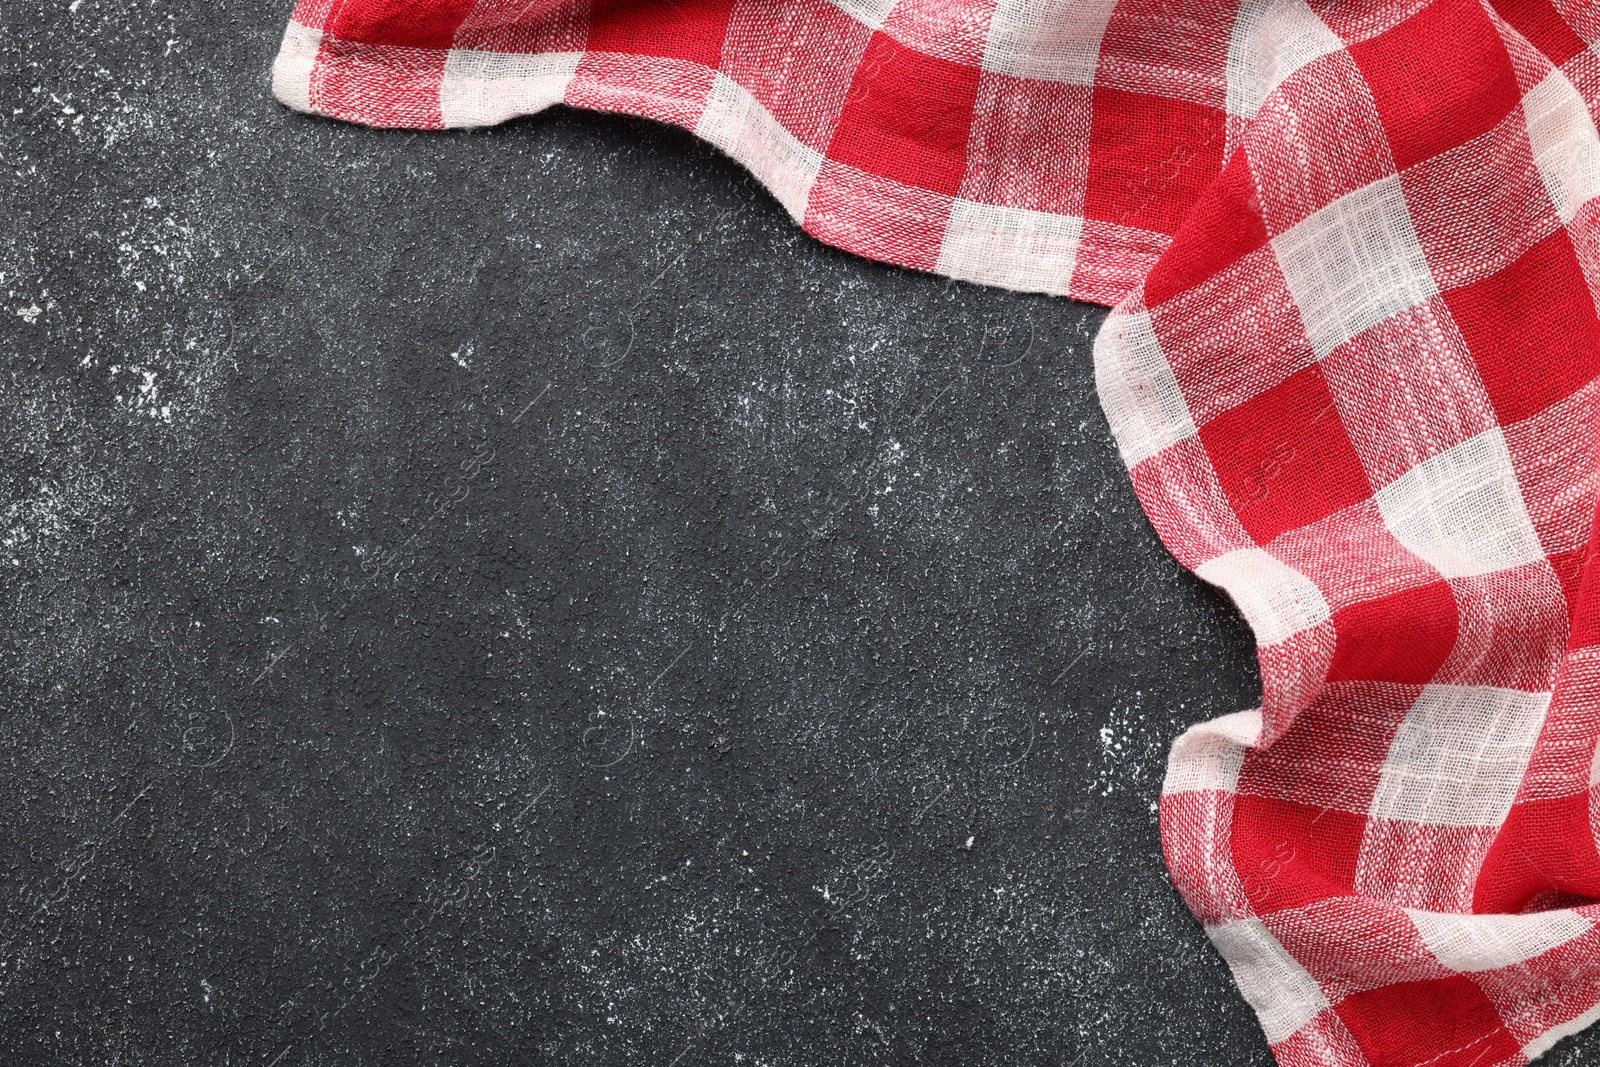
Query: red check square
[[1549, 348], [1449, 50], [907, 117], [1283, 457], [399, 23], [1403, 637], [691, 30], [1289, 855], [1400, 1025], [1535, 858], [1228, 229], [1150, 158]]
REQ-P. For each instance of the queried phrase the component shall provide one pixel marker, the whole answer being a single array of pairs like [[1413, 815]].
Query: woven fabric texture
[[1352, 252]]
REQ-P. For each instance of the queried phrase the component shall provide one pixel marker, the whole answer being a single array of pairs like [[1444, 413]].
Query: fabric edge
[[1103, 268]]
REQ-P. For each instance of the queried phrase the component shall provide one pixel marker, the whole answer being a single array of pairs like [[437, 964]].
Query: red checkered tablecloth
[[1351, 365]]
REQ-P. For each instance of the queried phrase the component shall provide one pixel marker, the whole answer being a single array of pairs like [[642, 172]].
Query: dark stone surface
[[512, 598]]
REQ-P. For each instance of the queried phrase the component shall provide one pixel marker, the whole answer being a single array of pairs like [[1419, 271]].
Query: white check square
[[483, 88], [1459, 756], [1275, 599], [1029, 250], [1471, 943], [1209, 757], [870, 13], [1462, 510], [1271, 41], [1566, 147], [1354, 263], [1056, 40]]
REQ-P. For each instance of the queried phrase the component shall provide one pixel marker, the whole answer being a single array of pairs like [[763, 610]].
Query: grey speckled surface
[[511, 598]]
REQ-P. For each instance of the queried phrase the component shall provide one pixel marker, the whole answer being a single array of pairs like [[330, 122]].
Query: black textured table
[[512, 598]]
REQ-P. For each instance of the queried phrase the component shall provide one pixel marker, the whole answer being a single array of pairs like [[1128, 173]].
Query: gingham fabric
[[1353, 253]]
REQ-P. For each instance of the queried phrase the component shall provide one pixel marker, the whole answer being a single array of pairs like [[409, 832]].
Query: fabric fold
[[1352, 255]]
